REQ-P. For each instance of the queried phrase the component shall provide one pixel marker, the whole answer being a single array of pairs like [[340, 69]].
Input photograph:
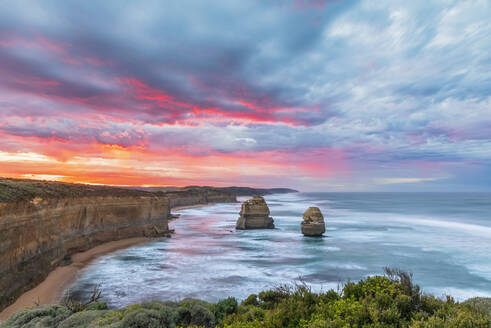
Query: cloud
[[406, 180], [350, 91]]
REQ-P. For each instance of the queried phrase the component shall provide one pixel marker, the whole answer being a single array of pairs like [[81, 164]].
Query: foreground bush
[[380, 301], [483, 304]]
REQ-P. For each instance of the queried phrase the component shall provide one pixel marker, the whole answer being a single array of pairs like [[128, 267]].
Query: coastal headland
[[49, 230]]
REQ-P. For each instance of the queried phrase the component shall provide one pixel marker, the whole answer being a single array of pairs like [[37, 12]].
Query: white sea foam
[[474, 229], [207, 258], [354, 217], [459, 294], [481, 269], [348, 266]]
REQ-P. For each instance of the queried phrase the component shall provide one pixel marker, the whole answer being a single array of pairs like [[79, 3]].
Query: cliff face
[[37, 235], [43, 223], [196, 196]]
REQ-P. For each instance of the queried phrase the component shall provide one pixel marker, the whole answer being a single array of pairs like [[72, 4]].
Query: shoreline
[[186, 207], [50, 290]]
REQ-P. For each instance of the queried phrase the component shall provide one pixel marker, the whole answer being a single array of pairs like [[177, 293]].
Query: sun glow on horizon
[[347, 96]]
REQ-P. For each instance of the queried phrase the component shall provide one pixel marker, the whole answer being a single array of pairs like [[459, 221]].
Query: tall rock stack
[[254, 214], [313, 224]]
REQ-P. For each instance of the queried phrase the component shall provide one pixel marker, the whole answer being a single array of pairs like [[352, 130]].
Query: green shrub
[[38, 317], [201, 316], [96, 306], [270, 298], [480, 303], [82, 319], [190, 302], [152, 314], [225, 307], [380, 302], [251, 300], [247, 313], [146, 318]]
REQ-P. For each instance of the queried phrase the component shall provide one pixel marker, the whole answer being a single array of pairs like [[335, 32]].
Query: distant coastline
[[238, 191]]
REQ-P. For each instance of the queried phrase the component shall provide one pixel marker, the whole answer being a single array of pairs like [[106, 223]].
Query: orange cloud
[[135, 165]]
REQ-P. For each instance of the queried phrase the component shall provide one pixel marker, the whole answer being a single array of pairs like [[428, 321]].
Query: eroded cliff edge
[[199, 195], [40, 234], [43, 223]]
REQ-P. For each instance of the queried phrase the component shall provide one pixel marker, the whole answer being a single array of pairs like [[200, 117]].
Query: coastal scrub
[[379, 301]]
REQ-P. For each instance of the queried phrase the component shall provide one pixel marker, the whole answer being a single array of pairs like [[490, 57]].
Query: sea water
[[444, 239]]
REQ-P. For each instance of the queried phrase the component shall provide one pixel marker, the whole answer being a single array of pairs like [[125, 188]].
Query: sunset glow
[[313, 95]]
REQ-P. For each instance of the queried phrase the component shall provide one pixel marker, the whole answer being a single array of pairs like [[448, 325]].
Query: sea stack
[[313, 224], [254, 214]]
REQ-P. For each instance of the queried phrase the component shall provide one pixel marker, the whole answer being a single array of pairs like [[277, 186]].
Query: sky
[[315, 95]]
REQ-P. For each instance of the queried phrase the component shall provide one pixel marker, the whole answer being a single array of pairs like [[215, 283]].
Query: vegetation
[[483, 304], [14, 190], [380, 301]]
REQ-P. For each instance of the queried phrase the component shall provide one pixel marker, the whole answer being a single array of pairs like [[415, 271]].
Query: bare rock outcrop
[[313, 224], [254, 214]]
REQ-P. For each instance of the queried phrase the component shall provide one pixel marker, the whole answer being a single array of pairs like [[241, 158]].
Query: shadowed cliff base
[[50, 291], [41, 234], [43, 223]]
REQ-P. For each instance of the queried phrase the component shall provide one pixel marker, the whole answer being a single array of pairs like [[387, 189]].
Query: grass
[[15, 190], [481, 303]]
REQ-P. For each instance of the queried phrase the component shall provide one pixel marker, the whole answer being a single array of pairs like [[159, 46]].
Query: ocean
[[444, 239]]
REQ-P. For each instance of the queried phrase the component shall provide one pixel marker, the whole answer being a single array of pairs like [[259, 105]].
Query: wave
[[206, 256], [459, 294], [451, 225], [345, 216], [347, 266]]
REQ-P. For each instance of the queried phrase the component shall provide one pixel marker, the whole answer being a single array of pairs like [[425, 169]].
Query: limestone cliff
[[37, 234], [254, 214], [199, 195], [43, 223]]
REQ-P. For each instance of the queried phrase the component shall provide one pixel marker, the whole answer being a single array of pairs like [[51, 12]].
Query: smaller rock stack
[[254, 214], [313, 224]]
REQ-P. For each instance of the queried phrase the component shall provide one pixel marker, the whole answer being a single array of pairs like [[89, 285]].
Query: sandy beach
[[51, 289]]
